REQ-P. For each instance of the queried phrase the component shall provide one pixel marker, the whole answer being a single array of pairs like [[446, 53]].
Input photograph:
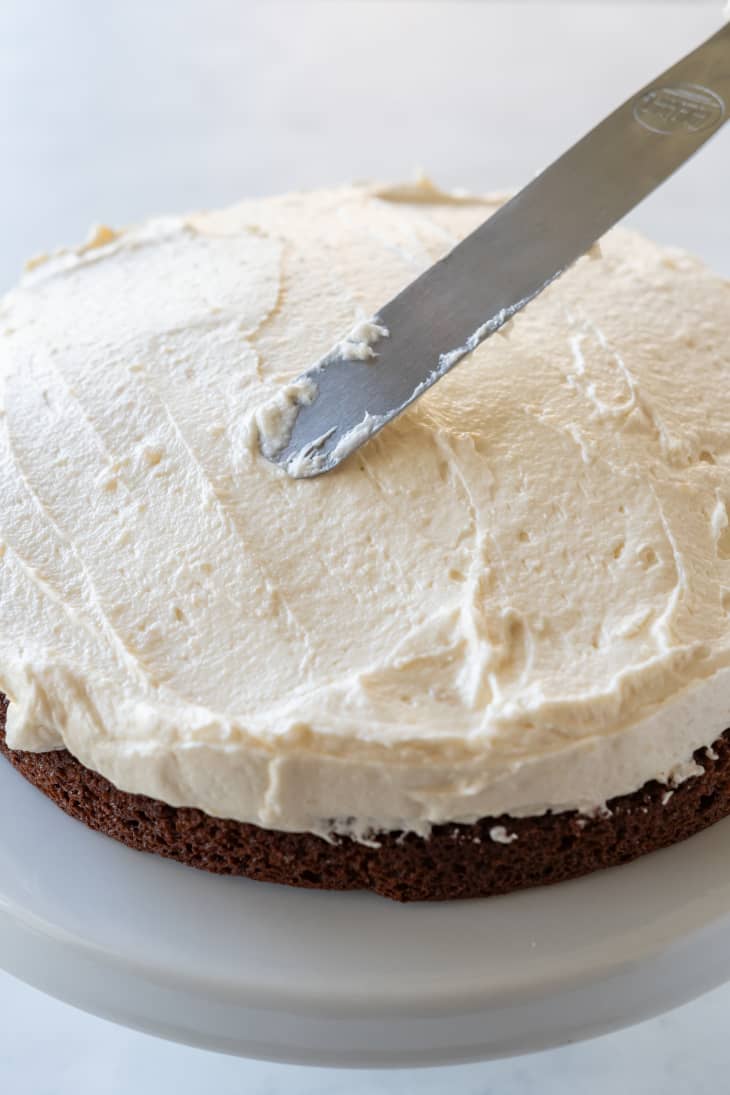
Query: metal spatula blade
[[468, 295]]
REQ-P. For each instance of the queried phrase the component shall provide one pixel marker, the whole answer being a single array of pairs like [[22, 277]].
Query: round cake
[[490, 650]]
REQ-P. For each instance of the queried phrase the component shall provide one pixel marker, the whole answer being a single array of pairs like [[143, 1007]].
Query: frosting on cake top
[[515, 598]]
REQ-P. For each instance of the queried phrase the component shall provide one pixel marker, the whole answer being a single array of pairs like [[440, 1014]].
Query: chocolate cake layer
[[456, 861]]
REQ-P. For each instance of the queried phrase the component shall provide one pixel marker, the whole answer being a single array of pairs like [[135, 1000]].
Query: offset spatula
[[468, 295]]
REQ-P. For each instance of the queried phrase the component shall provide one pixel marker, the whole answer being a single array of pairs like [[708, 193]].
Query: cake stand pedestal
[[351, 979]]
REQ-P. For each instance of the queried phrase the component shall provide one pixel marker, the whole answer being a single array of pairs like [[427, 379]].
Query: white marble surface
[[114, 111]]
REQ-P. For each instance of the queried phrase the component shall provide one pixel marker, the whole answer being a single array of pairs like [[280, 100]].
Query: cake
[[490, 650]]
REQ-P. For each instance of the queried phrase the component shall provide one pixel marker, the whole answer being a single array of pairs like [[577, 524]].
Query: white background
[[114, 111]]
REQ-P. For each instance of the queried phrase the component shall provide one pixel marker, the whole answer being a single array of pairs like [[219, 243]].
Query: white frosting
[[275, 419], [358, 345], [515, 598], [499, 835]]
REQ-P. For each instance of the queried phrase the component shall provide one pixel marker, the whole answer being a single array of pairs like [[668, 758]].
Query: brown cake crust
[[456, 861]]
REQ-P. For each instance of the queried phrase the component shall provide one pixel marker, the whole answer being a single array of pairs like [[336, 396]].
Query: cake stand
[[351, 979]]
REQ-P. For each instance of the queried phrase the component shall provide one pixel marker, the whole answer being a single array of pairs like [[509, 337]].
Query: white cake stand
[[351, 979]]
